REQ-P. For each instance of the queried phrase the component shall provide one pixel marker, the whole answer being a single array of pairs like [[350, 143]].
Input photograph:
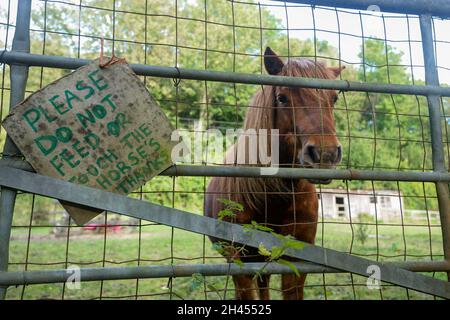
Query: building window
[[373, 200], [340, 206], [385, 201]]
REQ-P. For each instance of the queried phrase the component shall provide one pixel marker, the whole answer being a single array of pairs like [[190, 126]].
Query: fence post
[[434, 106], [18, 76]]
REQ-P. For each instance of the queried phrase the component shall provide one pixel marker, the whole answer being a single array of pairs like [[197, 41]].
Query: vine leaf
[[225, 213], [290, 242], [219, 247], [197, 281], [290, 265], [262, 250], [273, 255], [238, 262], [277, 252], [231, 209], [212, 287], [256, 226], [232, 205], [260, 227]]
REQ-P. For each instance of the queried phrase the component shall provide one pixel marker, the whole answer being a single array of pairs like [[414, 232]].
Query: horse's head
[[304, 116]]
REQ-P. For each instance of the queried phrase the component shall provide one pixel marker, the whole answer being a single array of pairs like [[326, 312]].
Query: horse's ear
[[336, 71], [272, 62]]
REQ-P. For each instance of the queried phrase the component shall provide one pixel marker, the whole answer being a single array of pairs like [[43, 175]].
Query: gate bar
[[95, 198], [18, 76], [233, 77], [434, 107], [293, 173], [186, 270], [439, 8], [301, 173]]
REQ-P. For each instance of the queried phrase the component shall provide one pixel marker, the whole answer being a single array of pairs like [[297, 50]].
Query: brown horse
[[307, 138]]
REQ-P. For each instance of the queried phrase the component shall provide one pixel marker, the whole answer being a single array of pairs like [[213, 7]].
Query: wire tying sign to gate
[[98, 127]]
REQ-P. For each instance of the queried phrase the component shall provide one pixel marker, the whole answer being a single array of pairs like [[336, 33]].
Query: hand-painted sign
[[97, 127]]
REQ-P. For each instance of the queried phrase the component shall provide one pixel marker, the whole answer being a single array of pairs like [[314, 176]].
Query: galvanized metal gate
[[15, 173]]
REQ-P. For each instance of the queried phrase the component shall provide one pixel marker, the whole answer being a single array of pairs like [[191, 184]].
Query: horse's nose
[[325, 155]]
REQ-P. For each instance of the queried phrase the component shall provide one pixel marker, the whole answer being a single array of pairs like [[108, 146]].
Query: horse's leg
[[263, 284], [301, 222], [292, 286], [246, 288]]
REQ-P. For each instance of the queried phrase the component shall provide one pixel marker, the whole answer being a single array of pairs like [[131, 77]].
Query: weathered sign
[[97, 127]]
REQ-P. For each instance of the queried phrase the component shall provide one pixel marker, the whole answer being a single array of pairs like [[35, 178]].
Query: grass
[[154, 245]]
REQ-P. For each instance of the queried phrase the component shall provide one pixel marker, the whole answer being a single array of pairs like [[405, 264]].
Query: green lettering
[[139, 175], [64, 134], [32, 116], [84, 118], [99, 111], [121, 187], [71, 96], [97, 81], [46, 144], [68, 157], [47, 115], [141, 152], [57, 166], [134, 160], [145, 129], [56, 105], [154, 144], [123, 167], [92, 170], [80, 149], [92, 140], [82, 85], [110, 102]]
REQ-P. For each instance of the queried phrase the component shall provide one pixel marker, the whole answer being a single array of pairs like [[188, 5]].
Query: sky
[[397, 33], [326, 20]]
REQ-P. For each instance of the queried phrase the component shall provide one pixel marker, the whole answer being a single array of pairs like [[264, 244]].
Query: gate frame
[[20, 60]]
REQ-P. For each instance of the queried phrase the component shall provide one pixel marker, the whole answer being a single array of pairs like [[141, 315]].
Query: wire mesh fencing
[[389, 221]]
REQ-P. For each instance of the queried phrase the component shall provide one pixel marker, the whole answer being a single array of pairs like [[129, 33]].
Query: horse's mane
[[261, 115]]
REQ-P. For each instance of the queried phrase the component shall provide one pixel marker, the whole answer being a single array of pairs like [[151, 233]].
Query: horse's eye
[[335, 99], [281, 98]]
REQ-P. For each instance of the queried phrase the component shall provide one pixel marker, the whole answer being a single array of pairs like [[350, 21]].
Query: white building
[[340, 203]]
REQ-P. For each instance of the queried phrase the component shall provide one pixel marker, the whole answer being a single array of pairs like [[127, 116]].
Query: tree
[[378, 130]]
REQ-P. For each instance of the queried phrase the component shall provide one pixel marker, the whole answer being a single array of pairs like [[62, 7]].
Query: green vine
[[274, 254], [198, 281], [231, 209]]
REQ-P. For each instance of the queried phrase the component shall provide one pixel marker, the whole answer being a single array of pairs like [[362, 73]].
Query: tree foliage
[[377, 130]]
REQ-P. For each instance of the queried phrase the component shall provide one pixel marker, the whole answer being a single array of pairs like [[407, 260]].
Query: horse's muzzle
[[322, 155], [312, 156], [319, 181]]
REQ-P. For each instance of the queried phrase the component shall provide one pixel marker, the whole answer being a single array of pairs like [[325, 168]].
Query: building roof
[[394, 193]]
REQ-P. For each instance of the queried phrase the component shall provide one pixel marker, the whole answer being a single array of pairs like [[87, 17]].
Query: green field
[[154, 245]]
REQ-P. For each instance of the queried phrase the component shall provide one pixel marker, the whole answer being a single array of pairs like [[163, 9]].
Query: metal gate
[[17, 176]]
